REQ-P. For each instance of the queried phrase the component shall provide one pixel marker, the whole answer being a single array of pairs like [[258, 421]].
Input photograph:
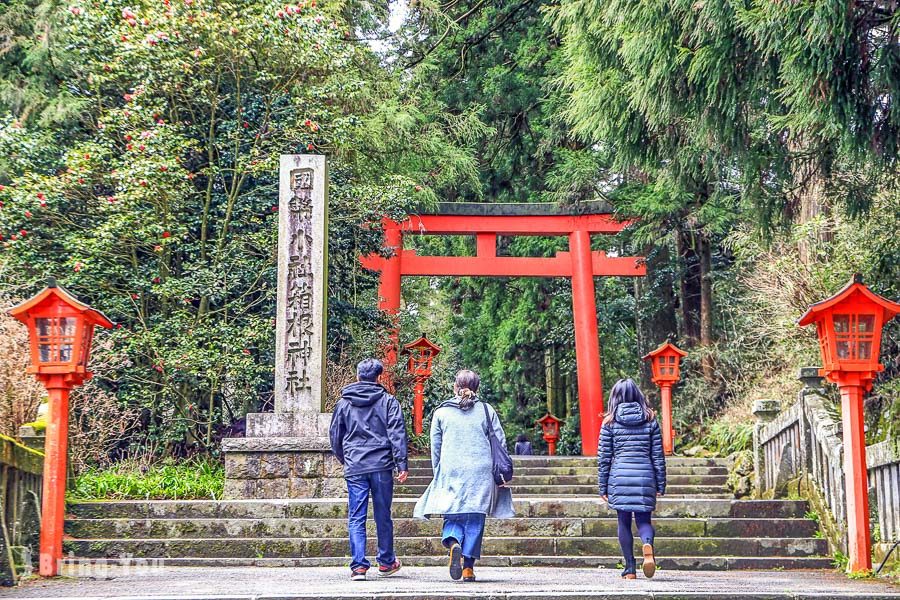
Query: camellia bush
[[147, 184]]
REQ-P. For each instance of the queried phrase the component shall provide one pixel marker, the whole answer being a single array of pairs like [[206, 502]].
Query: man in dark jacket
[[368, 437]]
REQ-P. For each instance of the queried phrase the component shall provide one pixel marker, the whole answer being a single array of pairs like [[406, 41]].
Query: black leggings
[[626, 540]]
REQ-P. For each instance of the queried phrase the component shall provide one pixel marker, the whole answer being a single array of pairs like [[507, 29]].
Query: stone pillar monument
[[286, 454]]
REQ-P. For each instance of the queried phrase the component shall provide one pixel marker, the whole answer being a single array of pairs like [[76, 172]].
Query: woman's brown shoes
[[456, 570], [468, 574], [649, 566]]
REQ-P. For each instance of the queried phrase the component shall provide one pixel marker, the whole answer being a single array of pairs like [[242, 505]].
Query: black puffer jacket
[[632, 466], [367, 430]]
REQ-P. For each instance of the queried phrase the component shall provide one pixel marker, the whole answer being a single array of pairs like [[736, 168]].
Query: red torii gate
[[486, 222]]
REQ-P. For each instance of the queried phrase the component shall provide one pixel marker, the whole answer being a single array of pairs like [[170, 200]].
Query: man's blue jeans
[[381, 486]]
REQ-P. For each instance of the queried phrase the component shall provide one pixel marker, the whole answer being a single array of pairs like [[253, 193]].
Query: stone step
[[418, 471], [403, 507], [518, 527], [575, 490], [683, 563], [581, 461], [587, 479], [234, 547], [562, 493]]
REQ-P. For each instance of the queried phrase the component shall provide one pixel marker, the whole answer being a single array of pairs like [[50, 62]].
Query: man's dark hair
[[369, 369], [521, 438]]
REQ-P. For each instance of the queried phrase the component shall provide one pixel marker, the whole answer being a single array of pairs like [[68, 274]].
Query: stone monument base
[[285, 455]]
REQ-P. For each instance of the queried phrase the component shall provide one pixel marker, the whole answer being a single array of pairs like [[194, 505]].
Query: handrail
[[804, 442], [21, 471]]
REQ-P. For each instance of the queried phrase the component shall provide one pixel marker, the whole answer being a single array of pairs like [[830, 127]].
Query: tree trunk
[[809, 174], [689, 280], [656, 305], [706, 306]]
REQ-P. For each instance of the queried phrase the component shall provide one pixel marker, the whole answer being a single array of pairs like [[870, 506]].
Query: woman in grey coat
[[463, 491]]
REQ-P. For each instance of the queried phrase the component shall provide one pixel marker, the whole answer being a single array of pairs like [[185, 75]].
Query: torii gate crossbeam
[[486, 222]]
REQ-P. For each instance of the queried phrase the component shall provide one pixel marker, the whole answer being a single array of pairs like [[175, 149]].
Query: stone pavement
[[433, 583]]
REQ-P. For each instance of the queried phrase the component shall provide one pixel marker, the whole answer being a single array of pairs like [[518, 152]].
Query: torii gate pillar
[[587, 341], [486, 222]]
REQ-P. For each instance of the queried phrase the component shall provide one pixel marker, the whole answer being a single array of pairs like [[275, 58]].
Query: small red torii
[[486, 222]]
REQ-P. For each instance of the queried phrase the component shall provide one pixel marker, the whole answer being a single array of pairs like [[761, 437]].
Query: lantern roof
[[55, 292], [665, 348], [422, 342], [855, 287], [549, 417]]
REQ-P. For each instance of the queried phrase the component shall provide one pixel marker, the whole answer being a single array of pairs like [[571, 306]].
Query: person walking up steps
[[368, 437], [463, 489], [632, 469]]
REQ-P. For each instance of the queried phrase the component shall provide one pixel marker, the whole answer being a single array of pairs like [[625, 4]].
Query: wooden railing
[[802, 445], [20, 502], [883, 460]]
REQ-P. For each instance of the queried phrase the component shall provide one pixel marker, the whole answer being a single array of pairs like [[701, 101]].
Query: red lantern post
[[849, 328], [421, 354], [665, 363], [61, 330], [550, 427]]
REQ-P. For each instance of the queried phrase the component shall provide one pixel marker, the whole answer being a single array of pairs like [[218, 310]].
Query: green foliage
[[194, 479], [157, 201], [724, 439]]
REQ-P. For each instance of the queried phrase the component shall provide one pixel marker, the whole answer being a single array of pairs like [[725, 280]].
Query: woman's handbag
[[502, 463]]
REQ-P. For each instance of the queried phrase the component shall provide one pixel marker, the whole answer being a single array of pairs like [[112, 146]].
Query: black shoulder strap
[[489, 430]]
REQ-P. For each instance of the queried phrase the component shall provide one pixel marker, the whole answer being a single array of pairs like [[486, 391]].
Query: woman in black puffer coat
[[632, 469]]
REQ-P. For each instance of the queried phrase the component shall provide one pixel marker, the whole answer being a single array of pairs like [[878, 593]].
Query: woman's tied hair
[[467, 383]]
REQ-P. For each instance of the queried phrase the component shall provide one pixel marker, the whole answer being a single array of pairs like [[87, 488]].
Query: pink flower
[[23, 233], [166, 234], [146, 134], [75, 10], [111, 199], [157, 249], [310, 147], [246, 351], [128, 97], [143, 183], [27, 214], [78, 266], [198, 52], [128, 14], [41, 196], [275, 208]]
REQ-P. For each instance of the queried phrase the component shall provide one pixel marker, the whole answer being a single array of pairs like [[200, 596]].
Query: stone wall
[[268, 468]]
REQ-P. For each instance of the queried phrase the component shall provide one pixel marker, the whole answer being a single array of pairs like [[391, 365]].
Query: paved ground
[[433, 583]]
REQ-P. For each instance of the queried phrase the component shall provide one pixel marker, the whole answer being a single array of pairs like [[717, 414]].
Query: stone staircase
[[560, 522]]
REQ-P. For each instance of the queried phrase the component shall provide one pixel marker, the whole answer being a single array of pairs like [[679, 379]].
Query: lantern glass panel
[[87, 338], [854, 335], [55, 338]]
